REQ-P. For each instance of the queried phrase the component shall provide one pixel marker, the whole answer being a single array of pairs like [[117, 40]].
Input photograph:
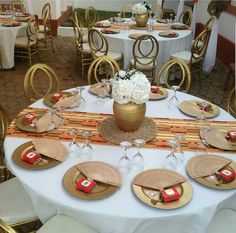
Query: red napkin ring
[[225, 176], [31, 156], [85, 185], [57, 96], [232, 135], [29, 118], [168, 195], [155, 89]]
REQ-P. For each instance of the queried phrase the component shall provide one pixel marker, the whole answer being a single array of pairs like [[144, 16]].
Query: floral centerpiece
[[130, 91]]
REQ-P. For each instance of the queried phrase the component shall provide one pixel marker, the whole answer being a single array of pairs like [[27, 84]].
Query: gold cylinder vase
[[141, 20], [129, 116]]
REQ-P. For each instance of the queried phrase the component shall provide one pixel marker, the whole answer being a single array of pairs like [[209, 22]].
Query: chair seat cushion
[[41, 28], [18, 207], [23, 41], [115, 55], [65, 224], [86, 48], [143, 67], [223, 221], [184, 55]]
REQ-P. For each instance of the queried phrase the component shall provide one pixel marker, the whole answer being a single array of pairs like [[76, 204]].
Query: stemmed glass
[[171, 160], [101, 97], [79, 99], [124, 162], [87, 149], [137, 160], [74, 148], [174, 101], [179, 151]]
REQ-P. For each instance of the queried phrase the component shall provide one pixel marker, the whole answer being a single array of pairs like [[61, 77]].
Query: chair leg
[[230, 72]]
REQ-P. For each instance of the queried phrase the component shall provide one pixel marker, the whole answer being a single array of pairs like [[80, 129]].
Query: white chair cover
[[210, 57], [180, 8], [159, 2], [28, 6], [193, 23]]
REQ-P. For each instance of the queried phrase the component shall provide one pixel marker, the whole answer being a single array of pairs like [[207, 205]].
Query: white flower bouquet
[[141, 8], [131, 86]]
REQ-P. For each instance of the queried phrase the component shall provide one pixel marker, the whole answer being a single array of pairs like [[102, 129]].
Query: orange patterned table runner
[[166, 129]]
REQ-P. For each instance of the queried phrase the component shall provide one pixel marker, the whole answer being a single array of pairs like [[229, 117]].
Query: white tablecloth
[[7, 42], [122, 212], [167, 46]]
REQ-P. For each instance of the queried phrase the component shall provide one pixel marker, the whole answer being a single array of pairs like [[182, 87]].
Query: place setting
[[168, 34], [39, 154], [110, 31], [92, 180], [213, 171], [102, 24], [179, 26], [158, 93]]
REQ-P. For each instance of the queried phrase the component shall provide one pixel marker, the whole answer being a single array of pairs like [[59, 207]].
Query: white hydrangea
[[139, 8], [134, 88]]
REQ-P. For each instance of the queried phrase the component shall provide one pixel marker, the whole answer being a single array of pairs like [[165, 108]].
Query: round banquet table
[[7, 43], [122, 212], [167, 46]]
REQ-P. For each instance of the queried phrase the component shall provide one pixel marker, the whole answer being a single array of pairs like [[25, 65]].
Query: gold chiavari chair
[[15, 205], [102, 67], [56, 224], [34, 85], [0, 8], [27, 46], [198, 50], [18, 5], [156, 8], [175, 70], [124, 9], [99, 46], [91, 16], [231, 102], [1, 60], [186, 17], [77, 19], [209, 23], [145, 51], [83, 52], [45, 29]]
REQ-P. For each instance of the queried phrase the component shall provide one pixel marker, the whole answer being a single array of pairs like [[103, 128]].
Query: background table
[[122, 212]]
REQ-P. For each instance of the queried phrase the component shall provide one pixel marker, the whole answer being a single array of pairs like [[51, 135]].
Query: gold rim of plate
[[180, 26], [186, 195], [168, 34], [100, 191], [158, 96], [22, 125], [50, 102], [17, 158], [184, 107]]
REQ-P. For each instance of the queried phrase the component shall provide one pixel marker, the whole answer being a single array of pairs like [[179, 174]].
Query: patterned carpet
[[63, 61]]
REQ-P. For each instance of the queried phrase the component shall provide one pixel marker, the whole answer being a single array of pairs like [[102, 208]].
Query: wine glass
[[174, 101], [179, 151], [80, 101], [74, 148], [124, 162], [137, 160], [51, 124], [101, 97], [87, 149], [171, 160]]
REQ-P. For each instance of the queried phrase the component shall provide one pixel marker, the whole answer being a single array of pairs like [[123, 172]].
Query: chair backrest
[[97, 43], [175, 68], [4, 123], [231, 102], [156, 8], [46, 18], [0, 8], [32, 29], [78, 31], [145, 50], [186, 17], [102, 66], [91, 16], [18, 5], [199, 46], [34, 85], [209, 23], [124, 9]]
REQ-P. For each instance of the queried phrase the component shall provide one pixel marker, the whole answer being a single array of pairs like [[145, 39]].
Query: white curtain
[[210, 57], [27, 5], [159, 2], [180, 9], [194, 18]]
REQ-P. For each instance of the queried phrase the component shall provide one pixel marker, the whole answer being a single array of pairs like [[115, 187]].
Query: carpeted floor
[[63, 61]]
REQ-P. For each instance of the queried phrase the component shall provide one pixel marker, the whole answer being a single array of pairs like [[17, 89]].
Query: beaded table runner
[[166, 130]]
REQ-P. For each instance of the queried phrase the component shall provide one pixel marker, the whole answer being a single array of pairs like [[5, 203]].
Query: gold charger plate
[[216, 137], [100, 191], [17, 158], [207, 181], [22, 125], [50, 102], [110, 31], [135, 35], [168, 34], [95, 89], [158, 96], [143, 194], [180, 26], [161, 21], [191, 108], [134, 26]]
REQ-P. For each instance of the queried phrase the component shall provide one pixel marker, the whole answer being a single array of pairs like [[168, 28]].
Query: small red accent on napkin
[[31, 156], [226, 175], [29, 118], [57, 96], [168, 195], [155, 89], [85, 185], [232, 135]]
